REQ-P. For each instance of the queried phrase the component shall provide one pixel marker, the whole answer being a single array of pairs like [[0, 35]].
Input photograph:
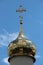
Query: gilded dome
[[21, 46]]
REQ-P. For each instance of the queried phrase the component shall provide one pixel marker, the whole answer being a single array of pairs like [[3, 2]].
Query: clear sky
[[32, 26]]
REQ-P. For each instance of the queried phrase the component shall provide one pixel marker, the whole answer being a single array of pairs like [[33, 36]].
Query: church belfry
[[21, 50]]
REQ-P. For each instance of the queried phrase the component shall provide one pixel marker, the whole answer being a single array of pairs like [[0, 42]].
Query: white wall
[[21, 60]]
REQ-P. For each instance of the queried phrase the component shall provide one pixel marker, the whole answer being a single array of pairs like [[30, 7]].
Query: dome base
[[22, 56]]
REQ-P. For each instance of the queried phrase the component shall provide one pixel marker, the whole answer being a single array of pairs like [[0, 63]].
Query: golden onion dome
[[21, 45]]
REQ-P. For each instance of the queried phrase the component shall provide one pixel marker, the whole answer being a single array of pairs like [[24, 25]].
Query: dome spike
[[21, 10]]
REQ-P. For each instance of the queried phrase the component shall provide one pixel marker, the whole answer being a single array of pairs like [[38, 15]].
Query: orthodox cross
[[21, 10]]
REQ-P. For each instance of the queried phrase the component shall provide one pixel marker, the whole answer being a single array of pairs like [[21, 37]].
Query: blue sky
[[32, 26]]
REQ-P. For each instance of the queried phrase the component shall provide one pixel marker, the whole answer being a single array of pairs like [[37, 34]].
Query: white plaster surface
[[21, 61]]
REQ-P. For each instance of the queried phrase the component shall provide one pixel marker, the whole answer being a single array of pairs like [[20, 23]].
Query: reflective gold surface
[[21, 45]]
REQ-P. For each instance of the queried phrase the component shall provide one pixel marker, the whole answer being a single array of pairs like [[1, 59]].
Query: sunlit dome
[[21, 46], [21, 42]]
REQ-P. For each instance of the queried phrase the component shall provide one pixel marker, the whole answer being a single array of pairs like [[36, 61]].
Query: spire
[[21, 46], [21, 10]]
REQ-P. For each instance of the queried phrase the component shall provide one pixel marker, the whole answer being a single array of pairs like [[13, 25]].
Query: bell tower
[[21, 50]]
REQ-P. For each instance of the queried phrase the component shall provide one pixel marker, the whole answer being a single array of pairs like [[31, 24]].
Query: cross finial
[[21, 10]]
